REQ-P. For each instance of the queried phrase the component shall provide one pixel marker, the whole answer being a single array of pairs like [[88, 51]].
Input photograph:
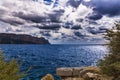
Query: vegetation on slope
[[110, 65], [9, 70]]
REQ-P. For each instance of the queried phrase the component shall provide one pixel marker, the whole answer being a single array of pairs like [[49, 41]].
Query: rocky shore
[[9, 38], [78, 73]]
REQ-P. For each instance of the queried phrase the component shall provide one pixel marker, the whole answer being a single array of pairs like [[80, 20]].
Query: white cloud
[[87, 0], [71, 14], [55, 35], [25, 12], [66, 31]]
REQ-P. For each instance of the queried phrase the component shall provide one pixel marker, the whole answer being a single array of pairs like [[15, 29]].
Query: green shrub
[[48, 77], [110, 65], [9, 70]]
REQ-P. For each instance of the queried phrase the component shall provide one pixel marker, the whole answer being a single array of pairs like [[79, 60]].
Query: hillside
[[9, 38]]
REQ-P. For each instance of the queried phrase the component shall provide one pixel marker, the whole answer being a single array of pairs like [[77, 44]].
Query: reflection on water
[[46, 58]]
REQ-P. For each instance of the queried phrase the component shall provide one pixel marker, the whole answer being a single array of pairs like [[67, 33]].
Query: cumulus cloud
[[87, 0], [95, 16], [74, 3], [59, 20]]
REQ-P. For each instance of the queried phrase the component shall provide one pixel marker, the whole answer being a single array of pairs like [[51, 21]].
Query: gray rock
[[76, 71], [65, 72]]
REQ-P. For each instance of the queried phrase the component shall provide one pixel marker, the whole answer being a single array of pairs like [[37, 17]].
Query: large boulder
[[65, 72], [76, 71], [92, 76], [81, 73], [70, 78], [92, 69]]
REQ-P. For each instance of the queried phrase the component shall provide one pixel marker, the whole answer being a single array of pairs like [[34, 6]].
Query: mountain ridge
[[10, 38]]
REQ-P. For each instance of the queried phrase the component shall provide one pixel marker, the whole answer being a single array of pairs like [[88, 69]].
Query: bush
[[48, 77], [9, 70], [110, 65]]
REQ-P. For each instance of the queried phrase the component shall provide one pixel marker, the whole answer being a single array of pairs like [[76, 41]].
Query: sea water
[[45, 59]]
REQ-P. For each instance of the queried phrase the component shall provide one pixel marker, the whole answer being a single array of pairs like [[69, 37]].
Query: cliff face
[[8, 38]]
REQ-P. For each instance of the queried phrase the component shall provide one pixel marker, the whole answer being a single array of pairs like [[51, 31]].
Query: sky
[[60, 21]]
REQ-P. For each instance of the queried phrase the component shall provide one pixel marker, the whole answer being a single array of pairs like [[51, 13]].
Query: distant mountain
[[9, 38]]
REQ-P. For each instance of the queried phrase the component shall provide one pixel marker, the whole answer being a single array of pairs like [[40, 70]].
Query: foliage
[[9, 70], [48, 77], [110, 65]]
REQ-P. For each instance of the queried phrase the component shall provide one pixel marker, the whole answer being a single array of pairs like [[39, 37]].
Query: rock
[[77, 79], [81, 73], [65, 72], [48, 77], [9, 38], [76, 71], [73, 79], [91, 76], [68, 78], [91, 69]]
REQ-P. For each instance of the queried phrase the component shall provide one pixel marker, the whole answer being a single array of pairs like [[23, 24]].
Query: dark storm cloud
[[12, 21], [48, 22], [61, 11], [103, 28], [68, 25], [61, 21], [94, 30], [74, 3], [80, 20], [72, 26], [95, 16], [2, 11], [55, 16], [107, 7], [9, 19], [93, 22], [30, 17], [45, 33], [79, 34], [53, 26], [52, 17], [76, 27]]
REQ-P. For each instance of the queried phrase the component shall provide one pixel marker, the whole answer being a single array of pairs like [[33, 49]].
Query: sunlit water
[[46, 58]]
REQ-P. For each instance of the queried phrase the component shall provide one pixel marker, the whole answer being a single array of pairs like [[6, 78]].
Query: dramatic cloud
[[59, 20], [95, 16], [107, 7], [74, 3]]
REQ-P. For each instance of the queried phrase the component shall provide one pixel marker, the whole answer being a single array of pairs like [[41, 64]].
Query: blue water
[[45, 59]]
